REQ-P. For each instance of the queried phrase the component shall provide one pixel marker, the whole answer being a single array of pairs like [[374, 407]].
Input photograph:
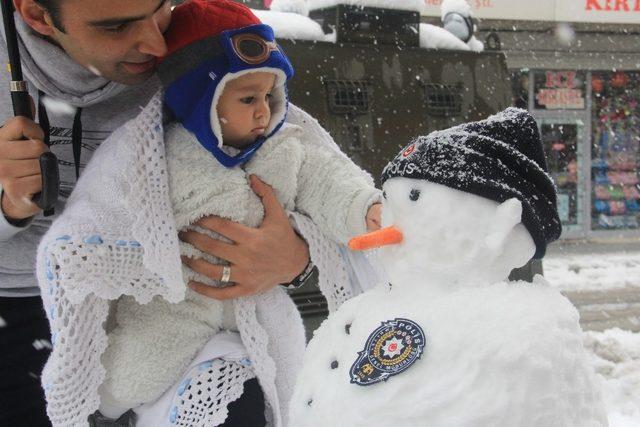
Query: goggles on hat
[[251, 48]]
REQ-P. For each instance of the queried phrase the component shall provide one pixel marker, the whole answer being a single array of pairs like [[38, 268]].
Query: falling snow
[[42, 344]]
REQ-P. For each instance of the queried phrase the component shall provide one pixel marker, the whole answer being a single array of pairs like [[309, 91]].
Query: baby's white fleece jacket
[[308, 178]]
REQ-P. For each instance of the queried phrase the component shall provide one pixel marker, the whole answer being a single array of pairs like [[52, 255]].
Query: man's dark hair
[[53, 9]]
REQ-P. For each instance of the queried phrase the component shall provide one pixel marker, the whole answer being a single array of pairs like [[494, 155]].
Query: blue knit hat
[[195, 75]]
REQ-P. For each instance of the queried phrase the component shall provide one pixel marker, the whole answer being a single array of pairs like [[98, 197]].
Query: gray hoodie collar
[[55, 73]]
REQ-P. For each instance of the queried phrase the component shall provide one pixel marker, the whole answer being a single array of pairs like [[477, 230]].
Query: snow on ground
[[575, 272], [615, 353], [616, 356]]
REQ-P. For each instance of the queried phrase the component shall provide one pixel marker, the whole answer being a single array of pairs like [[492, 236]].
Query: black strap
[[76, 140], [76, 132], [43, 118]]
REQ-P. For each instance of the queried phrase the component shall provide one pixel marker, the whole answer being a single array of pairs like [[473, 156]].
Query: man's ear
[[35, 16]]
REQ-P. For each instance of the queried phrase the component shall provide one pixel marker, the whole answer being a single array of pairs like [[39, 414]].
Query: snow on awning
[[288, 25], [413, 5], [294, 26]]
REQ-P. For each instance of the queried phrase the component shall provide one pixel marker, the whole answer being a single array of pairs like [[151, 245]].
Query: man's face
[[117, 39]]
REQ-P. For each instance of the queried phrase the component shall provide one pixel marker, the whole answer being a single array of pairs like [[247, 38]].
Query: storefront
[[575, 65], [591, 133]]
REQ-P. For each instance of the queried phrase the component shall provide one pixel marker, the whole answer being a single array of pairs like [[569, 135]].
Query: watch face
[[302, 277]]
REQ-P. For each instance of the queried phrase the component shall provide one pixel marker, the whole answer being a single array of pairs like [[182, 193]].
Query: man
[[91, 65]]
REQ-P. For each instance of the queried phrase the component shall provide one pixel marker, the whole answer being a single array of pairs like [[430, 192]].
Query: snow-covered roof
[[434, 37], [287, 25], [414, 5], [295, 6]]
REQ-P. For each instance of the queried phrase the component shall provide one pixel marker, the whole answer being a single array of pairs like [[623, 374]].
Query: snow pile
[[434, 37], [301, 7], [289, 20], [413, 5], [576, 272], [616, 356], [475, 44], [294, 26]]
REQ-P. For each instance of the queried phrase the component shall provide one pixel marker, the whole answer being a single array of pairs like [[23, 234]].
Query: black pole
[[47, 198]]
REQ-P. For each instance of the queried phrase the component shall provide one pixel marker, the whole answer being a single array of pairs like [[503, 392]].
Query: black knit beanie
[[498, 158]]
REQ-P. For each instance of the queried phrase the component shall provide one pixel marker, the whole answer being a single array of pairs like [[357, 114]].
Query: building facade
[[575, 64]]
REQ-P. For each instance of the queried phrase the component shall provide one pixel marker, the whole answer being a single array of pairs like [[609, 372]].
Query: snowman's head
[[451, 236], [480, 193]]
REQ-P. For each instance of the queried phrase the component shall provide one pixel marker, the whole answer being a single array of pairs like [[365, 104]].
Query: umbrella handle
[[47, 197]]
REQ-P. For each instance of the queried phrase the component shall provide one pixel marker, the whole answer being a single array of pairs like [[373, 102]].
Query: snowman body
[[508, 354], [450, 342]]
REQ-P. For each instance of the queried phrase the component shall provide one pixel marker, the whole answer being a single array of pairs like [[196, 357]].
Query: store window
[[559, 90], [560, 106], [615, 162], [560, 139]]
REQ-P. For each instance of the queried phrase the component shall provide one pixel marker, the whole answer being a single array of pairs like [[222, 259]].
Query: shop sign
[[559, 90], [603, 11]]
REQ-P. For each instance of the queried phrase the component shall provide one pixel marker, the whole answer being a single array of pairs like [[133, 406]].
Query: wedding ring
[[226, 274]]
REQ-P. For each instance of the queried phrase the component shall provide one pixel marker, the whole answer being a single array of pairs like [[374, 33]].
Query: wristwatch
[[302, 278], [128, 419]]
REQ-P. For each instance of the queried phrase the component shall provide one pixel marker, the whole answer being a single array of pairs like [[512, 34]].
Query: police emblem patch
[[408, 150], [391, 349]]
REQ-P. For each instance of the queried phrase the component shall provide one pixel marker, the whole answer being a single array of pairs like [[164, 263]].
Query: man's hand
[[20, 166], [259, 258]]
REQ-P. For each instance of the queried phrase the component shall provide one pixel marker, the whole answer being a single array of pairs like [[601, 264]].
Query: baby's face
[[243, 108]]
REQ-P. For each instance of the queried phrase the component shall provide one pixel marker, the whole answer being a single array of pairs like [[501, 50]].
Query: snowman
[[449, 341]]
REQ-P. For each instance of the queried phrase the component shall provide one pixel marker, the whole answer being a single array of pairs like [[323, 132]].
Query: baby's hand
[[373, 217]]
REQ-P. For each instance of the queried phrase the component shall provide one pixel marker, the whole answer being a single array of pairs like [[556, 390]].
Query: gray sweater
[[105, 106]]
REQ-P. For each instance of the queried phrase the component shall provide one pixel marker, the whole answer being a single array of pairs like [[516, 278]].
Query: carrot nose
[[375, 239]]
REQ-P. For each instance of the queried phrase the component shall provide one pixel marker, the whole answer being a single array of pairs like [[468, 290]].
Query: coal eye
[[414, 195], [384, 195]]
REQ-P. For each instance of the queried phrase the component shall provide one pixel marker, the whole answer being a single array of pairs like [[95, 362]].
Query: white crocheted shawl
[[118, 237]]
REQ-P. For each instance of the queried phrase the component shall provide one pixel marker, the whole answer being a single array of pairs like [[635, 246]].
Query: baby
[[227, 94]]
